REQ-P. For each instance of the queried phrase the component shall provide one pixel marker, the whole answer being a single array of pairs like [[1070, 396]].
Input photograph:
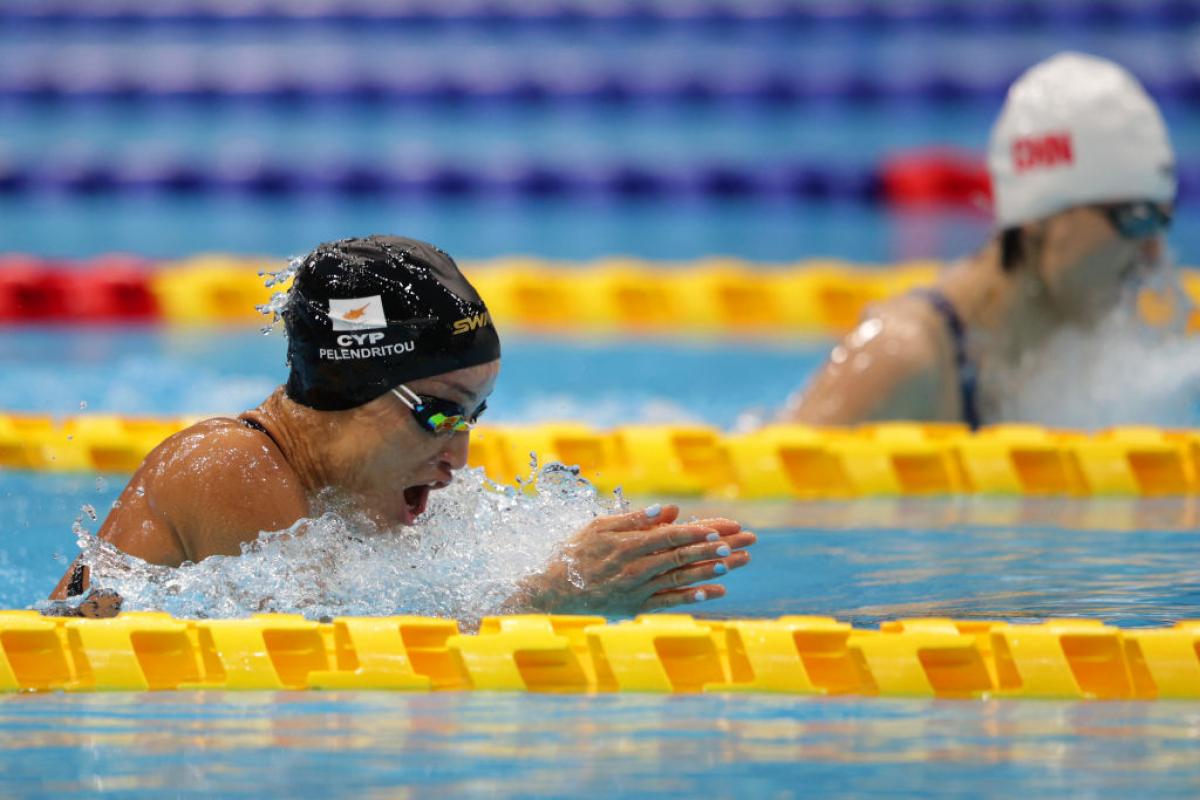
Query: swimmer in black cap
[[392, 356]]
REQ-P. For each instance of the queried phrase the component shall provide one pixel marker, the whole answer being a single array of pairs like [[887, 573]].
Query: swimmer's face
[[397, 462], [1086, 264]]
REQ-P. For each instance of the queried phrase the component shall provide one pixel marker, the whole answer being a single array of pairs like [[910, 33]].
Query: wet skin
[[898, 364], [215, 486]]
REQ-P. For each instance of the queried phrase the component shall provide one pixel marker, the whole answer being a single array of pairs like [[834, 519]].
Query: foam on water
[[1121, 372], [463, 559]]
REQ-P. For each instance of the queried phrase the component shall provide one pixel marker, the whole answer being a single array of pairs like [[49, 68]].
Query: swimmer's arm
[[890, 375]]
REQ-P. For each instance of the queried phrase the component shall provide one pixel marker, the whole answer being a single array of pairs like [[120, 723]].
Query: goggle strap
[[407, 396]]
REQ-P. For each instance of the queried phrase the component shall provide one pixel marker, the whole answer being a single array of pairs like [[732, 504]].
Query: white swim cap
[[1077, 130]]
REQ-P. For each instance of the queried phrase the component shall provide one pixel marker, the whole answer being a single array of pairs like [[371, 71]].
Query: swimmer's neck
[[298, 434], [1006, 312]]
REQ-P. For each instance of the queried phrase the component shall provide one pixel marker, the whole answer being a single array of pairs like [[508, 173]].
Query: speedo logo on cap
[[1045, 150], [357, 313]]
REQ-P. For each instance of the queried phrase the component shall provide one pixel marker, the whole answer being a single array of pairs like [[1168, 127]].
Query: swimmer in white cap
[[1083, 178]]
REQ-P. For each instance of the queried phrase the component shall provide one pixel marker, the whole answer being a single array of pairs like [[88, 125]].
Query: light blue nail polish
[[723, 550], [713, 537], [653, 511], [699, 597], [720, 569]]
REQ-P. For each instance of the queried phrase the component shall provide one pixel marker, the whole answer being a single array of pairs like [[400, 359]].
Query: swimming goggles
[[437, 415], [1138, 220]]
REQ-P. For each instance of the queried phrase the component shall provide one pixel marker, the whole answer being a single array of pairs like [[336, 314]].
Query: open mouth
[[415, 500]]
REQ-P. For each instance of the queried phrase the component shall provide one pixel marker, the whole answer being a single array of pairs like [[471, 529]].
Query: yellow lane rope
[[777, 462], [1063, 658], [629, 296]]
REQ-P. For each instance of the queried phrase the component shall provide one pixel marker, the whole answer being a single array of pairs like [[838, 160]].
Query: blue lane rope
[[767, 88], [727, 15], [783, 181], [106, 176]]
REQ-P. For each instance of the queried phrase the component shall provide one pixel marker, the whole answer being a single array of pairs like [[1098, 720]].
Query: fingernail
[[723, 550], [653, 511], [720, 568], [713, 537], [699, 597]]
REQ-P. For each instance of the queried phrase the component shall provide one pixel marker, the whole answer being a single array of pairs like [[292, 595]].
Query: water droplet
[[275, 307], [101, 484], [865, 332], [83, 405], [90, 511]]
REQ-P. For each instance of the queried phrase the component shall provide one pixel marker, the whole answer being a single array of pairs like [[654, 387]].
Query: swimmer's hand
[[99, 604], [641, 561]]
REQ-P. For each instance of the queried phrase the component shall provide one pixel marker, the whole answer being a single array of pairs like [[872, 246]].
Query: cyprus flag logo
[[357, 313]]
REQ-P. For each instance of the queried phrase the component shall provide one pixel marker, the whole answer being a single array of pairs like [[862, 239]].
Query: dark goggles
[[1138, 220], [437, 415]]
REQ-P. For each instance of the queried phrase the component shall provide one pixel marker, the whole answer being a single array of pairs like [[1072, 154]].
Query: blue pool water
[[150, 371], [368, 745]]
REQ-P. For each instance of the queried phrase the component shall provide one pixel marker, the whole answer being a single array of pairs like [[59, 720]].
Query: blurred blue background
[[235, 94]]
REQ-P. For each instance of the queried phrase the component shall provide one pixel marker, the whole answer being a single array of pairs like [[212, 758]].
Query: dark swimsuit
[[967, 373], [75, 585]]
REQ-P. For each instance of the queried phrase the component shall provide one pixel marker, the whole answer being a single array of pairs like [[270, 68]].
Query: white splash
[[1122, 372], [279, 300], [463, 559]]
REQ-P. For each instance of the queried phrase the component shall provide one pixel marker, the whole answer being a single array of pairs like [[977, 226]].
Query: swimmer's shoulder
[[220, 482], [213, 446], [888, 367], [905, 331]]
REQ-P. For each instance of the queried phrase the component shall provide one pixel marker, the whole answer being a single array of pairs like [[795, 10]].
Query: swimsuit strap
[[254, 424], [967, 373]]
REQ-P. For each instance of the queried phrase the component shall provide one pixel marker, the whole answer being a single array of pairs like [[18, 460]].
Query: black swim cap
[[365, 315]]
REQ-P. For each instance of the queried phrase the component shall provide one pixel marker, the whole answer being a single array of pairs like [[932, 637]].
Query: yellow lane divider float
[[781, 461], [715, 296], [1062, 658]]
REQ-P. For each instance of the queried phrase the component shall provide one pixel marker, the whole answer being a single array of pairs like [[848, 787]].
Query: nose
[[455, 453]]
